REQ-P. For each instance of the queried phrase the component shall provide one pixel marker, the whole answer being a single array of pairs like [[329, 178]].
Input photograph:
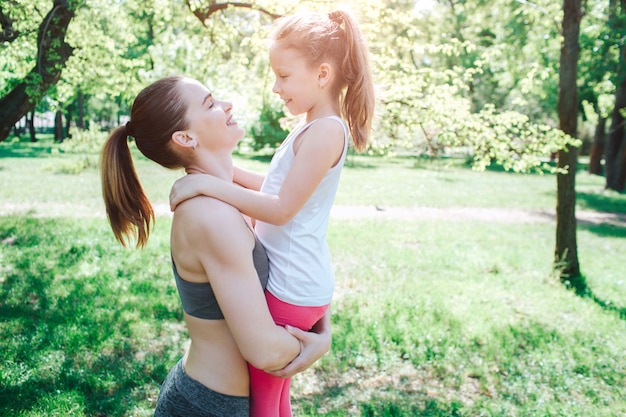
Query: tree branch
[[8, 34], [204, 13]]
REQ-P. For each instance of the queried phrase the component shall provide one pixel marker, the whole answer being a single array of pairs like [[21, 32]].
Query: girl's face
[[296, 83], [210, 120]]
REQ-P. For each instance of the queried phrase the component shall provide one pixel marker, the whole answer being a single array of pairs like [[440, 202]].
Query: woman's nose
[[226, 105]]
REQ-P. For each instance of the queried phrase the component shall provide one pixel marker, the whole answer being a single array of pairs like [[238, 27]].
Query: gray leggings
[[182, 396]]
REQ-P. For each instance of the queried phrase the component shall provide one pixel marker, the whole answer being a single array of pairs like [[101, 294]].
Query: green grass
[[431, 317]]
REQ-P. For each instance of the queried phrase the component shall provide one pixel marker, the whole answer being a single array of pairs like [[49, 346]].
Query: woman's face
[[210, 120]]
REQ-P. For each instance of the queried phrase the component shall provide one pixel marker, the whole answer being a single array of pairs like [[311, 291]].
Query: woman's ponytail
[[128, 209]]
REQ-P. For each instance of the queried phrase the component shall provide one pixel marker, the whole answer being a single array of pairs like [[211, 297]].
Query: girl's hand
[[314, 346], [190, 186]]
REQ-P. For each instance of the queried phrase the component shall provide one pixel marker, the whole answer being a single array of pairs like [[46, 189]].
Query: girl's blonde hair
[[336, 38]]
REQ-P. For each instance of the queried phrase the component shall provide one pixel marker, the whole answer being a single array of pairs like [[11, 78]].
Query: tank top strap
[[299, 130]]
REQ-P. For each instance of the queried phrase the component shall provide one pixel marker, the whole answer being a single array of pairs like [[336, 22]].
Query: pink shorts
[[298, 316]]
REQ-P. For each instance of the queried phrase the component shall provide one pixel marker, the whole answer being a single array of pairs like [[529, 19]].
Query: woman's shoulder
[[208, 216]]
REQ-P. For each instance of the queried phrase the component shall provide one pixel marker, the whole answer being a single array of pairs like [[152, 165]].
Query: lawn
[[432, 316]]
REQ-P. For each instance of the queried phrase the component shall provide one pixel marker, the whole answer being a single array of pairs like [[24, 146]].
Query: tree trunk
[[614, 157], [80, 108], [58, 126], [30, 121], [566, 250], [68, 124], [597, 147], [19, 129], [52, 53], [621, 179], [615, 147]]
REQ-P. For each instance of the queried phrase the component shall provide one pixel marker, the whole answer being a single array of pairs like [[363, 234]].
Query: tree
[[52, 53], [616, 146], [464, 86], [599, 68], [566, 250]]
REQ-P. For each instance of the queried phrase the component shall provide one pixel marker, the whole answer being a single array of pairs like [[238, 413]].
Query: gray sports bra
[[198, 299]]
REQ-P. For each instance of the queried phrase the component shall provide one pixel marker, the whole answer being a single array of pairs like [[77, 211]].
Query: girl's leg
[[285, 399], [284, 313], [265, 393]]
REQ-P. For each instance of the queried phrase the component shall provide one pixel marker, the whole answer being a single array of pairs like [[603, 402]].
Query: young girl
[[316, 58]]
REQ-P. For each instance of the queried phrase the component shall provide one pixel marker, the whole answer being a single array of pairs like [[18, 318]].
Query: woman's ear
[[180, 138]]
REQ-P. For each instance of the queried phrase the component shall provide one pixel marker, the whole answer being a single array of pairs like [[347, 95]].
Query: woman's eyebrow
[[206, 98]]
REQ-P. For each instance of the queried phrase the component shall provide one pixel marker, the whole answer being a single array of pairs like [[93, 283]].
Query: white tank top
[[300, 265]]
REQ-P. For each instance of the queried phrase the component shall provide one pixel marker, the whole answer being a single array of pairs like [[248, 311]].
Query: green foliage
[[510, 139], [467, 86], [84, 142], [84, 146], [268, 131], [452, 76], [73, 167]]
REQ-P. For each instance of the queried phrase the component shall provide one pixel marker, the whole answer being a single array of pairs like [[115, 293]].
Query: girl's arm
[[247, 179], [318, 149]]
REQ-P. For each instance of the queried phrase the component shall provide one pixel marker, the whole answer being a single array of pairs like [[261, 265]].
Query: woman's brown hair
[[157, 112]]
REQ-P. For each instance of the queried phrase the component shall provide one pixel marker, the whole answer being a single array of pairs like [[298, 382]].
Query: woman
[[320, 62], [176, 122]]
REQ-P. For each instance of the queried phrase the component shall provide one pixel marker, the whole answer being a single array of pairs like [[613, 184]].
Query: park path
[[487, 214], [354, 213]]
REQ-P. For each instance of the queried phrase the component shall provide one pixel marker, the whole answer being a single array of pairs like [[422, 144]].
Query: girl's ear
[[324, 74], [180, 138]]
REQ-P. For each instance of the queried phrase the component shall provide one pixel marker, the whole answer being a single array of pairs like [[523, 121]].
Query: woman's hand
[[190, 186], [315, 344]]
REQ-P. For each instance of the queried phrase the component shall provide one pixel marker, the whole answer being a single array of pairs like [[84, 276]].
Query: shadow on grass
[[65, 344], [397, 405], [23, 149], [610, 202], [266, 158], [616, 227], [580, 287], [607, 305]]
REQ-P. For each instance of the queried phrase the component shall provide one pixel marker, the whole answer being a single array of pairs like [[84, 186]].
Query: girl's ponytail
[[359, 101]]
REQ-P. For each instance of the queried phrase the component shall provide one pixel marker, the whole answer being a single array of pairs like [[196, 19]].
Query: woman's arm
[[319, 149], [316, 344], [220, 245]]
